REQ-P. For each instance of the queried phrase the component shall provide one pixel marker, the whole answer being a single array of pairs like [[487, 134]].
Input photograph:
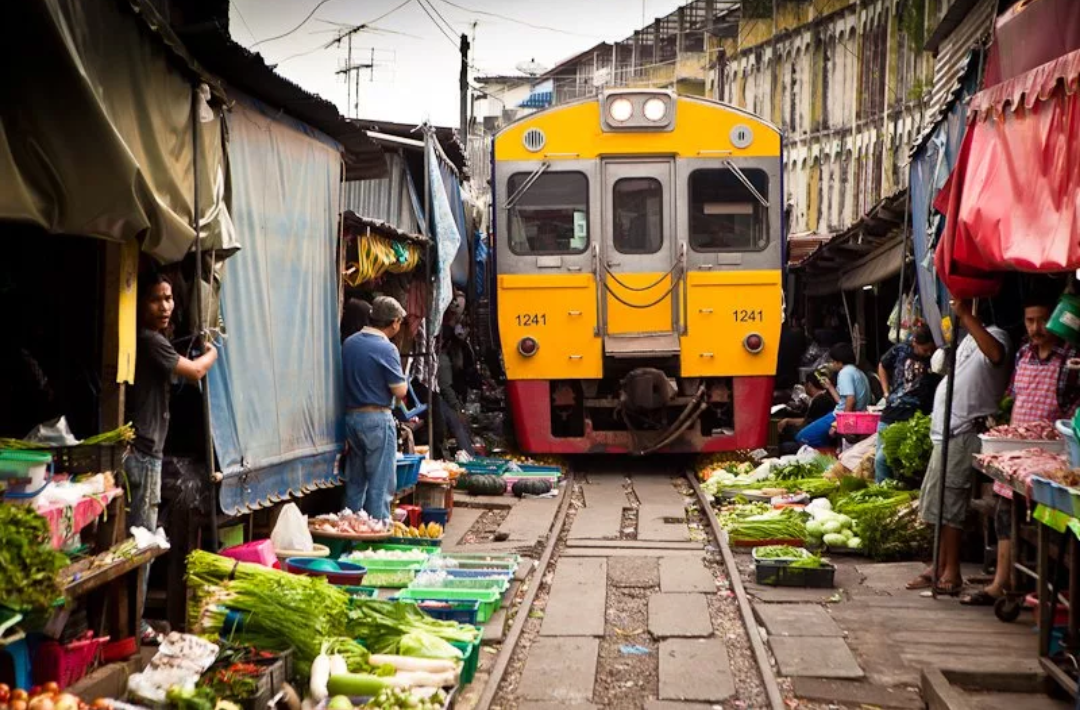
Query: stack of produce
[[349, 523], [28, 564], [401, 628], [798, 557], [430, 531], [749, 526], [907, 447], [886, 520], [832, 529]]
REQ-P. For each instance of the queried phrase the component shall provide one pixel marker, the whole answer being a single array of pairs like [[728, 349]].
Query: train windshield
[[638, 215], [551, 216], [725, 215]]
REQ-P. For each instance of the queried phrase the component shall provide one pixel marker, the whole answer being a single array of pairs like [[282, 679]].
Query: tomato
[[5, 694], [17, 704], [51, 688], [19, 694]]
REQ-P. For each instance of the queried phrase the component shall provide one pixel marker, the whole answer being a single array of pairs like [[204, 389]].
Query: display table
[[68, 520], [1048, 597]]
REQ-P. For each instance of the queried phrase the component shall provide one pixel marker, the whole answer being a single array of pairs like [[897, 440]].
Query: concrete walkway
[[664, 567]]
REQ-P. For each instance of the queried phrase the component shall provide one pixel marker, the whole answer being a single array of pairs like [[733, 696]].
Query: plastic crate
[[463, 612], [997, 445], [857, 423], [259, 552], [419, 543], [390, 578], [486, 466], [1062, 498], [489, 599], [1042, 491], [66, 664], [376, 564], [408, 470], [439, 516], [782, 574], [361, 592], [498, 584], [88, 458], [410, 543], [534, 470], [503, 572], [471, 659]]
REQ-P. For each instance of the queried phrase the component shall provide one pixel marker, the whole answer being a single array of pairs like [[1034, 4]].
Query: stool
[[19, 653]]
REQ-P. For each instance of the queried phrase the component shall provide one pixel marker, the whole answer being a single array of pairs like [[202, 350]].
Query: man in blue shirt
[[852, 394], [373, 380]]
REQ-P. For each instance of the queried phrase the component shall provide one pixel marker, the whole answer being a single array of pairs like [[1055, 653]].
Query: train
[[638, 275]]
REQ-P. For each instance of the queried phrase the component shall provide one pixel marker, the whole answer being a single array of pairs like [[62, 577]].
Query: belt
[[370, 408]]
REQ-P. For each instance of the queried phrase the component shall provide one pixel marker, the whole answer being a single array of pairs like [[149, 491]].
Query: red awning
[[1013, 199]]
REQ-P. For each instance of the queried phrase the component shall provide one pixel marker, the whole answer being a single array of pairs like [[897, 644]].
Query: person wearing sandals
[[1043, 389], [981, 375]]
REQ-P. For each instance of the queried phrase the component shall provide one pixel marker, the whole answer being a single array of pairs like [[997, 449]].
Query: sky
[[415, 77]]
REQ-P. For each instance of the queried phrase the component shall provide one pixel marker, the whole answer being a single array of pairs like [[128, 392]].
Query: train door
[[637, 263]]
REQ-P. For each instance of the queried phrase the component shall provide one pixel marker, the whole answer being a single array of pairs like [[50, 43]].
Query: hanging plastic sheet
[[1013, 201], [96, 134], [447, 239], [276, 392], [459, 269], [930, 167]]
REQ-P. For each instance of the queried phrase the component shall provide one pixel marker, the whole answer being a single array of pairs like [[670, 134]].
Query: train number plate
[[527, 319], [743, 315]]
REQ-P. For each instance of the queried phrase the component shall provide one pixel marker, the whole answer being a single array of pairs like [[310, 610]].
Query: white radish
[[419, 679], [338, 666], [320, 676], [411, 663]]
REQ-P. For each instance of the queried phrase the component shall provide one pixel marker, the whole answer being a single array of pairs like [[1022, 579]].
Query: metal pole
[[199, 325], [903, 257], [463, 81], [432, 252], [957, 333]]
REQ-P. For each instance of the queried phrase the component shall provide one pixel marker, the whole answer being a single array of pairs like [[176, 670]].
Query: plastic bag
[[291, 531], [54, 433]]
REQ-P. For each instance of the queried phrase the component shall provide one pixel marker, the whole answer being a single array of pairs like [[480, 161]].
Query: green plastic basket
[[489, 598], [471, 654]]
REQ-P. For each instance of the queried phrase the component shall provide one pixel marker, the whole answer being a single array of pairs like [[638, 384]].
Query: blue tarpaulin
[[537, 99], [931, 165], [444, 227], [276, 394]]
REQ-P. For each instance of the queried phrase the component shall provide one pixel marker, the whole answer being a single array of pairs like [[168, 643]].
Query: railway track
[[635, 602]]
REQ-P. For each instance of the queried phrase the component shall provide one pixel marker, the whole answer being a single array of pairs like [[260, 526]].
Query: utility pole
[[464, 83]]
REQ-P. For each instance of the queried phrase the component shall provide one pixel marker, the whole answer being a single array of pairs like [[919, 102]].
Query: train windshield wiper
[[520, 192], [746, 182]]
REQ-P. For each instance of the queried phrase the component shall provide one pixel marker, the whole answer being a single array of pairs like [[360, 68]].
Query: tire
[[1007, 610]]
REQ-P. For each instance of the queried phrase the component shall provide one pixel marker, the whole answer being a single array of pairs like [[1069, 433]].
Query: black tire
[[1007, 610]]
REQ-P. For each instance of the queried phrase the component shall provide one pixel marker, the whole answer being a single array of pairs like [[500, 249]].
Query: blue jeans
[[882, 472], [144, 488], [816, 433], [371, 466]]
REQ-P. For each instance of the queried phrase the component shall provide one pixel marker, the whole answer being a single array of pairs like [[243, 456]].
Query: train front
[[638, 268]]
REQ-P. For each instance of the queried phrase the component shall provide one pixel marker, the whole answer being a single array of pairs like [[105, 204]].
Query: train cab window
[[638, 215], [551, 216], [724, 214]]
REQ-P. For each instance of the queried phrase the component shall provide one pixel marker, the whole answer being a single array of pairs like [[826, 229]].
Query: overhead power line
[[294, 29], [516, 21], [449, 37]]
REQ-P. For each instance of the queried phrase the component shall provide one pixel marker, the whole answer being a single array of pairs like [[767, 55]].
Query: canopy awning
[[537, 99], [1013, 200]]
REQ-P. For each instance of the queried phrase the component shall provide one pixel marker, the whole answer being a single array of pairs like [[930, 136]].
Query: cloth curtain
[[96, 131], [276, 392]]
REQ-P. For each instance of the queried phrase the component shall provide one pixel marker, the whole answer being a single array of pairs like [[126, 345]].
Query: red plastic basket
[[857, 422], [68, 663]]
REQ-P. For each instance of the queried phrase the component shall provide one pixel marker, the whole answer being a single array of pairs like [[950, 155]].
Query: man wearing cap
[[373, 379]]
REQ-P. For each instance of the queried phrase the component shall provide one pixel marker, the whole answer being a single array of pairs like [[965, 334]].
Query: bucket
[[1065, 322], [1065, 428], [24, 474]]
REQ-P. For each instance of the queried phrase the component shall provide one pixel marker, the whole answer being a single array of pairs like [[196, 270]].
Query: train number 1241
[[743, 315], [527, 319]]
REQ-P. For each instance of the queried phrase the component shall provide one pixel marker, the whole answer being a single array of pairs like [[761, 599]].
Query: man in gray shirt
[[982, 374]]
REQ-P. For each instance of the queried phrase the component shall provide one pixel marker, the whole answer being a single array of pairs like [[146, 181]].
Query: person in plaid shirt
[[1043, 388]]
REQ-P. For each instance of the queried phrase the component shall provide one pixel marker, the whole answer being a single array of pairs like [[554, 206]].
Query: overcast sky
[[416, 72]]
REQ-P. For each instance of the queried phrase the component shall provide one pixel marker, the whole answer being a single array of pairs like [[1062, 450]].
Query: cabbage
[[847, 534], [831, 526], [854, 543], [845, 521], [835, 540], [815, 528]]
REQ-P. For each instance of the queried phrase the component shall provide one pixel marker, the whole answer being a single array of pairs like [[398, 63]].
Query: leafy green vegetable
[[770, 552], [423, 644], [28, 564], [889, 534], [907, 446], [808, 562], [384, 624], [783, 524]]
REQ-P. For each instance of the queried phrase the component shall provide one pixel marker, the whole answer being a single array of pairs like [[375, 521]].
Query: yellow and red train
[[638, 269]]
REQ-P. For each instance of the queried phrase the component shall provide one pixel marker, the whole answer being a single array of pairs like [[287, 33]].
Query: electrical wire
[[449, 37], [236, 6], [516, 21], [327, 45], [446, 22], [294, 29]]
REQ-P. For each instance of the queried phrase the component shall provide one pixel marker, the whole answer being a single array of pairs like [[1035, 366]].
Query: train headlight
[[620, 110], [753, 343], [655, 110], [528, 346]]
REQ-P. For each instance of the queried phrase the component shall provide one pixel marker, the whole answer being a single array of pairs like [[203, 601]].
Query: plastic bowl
[[336, 572]]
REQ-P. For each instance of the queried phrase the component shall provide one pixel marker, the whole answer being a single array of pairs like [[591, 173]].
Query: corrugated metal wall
[[386, 199], [952, 55]]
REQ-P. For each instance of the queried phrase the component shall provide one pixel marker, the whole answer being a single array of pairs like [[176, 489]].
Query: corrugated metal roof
[[386, 199], [954, 49]]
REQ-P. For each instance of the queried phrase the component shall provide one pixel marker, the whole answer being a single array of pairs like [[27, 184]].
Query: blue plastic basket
[[478, 573], [1065, 429], [1062, 498], [1042, 491], [408, 470], [463, 612]]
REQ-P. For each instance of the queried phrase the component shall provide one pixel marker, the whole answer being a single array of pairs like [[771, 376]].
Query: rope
[[674, 283], [651, 286]]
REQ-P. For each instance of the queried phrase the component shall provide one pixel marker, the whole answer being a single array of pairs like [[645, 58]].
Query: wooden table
[[1048, 597]]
